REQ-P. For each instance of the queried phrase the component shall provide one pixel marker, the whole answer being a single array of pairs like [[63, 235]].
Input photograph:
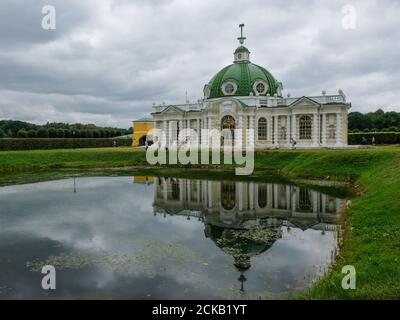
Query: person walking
[[293, 143]]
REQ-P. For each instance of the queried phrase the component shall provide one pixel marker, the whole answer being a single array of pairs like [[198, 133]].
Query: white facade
[[312, 122], [244, 205]]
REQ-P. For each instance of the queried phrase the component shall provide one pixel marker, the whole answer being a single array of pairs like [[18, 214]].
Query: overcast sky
[[109, 60]]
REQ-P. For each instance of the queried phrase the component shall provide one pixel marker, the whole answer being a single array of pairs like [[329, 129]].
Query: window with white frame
[[305, 127], [262, 129]]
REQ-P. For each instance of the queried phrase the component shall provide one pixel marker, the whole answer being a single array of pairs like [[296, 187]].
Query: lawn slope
[[372, 234]]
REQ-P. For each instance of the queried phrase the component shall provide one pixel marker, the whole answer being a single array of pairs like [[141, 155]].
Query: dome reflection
[[245, 219]]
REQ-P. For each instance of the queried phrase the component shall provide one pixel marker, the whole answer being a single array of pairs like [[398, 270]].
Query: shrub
[[43, 133], [380, 137], [32, 134], [60, 133], [22, 133], [2, 133], [52, 133], [57, 143]]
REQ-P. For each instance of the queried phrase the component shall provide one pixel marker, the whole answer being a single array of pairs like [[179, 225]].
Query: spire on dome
[[241, 38]]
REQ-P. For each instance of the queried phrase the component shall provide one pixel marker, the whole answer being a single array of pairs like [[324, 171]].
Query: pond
[[164, 238]]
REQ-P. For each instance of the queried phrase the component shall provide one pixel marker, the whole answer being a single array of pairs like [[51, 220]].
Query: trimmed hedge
[[380, 137], [60, 143]]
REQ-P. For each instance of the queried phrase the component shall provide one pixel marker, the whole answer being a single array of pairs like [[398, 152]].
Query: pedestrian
[[363, 140], [293, 143]]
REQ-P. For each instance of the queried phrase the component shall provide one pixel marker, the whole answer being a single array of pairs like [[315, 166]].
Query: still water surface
[[164, 238]]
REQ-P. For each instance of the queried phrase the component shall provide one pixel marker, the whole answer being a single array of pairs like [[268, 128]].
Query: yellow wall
[[143, 179], [140, 129]]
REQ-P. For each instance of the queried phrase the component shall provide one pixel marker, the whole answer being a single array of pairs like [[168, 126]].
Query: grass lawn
[[372, 234]]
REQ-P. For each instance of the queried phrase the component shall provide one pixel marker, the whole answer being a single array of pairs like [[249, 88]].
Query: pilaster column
[[294, 129], [323, 129], [323, 203], [251, 195], [198, 191], [165, 190], [276, 142], [338, 129], [240, 188], [209, 194], [189, 190], [287, 189], [165, 132], [269, 195], [315, 201], [276, 196], [198, 132], [239, 133], [180, 125], [338, 205], [288, 130], [315, 129], [181, 199], [204, 132], [250, 132], [171, 132], [270, 132], [294, 199]]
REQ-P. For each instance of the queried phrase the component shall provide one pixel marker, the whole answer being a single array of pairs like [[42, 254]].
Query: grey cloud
[[109, 60]]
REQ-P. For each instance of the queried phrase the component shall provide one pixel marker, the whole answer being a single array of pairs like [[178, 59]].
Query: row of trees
[[20, 129], [367, 130], [63, 133], [378, 121]]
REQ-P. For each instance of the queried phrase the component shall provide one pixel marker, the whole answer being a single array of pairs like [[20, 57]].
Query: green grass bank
[[372, 223]]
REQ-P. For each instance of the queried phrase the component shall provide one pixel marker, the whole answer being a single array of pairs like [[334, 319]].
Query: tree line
[[378, 121], [21, 129]]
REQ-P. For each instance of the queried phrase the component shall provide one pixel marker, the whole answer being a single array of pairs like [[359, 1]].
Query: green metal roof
[[241, 49], [244, 74]]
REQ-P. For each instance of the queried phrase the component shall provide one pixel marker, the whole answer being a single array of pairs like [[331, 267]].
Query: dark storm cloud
[[108, 60]]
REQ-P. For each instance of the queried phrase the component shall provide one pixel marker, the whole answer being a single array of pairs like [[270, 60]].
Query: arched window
[[262, 129], [282, 133], [227, 123], [331, 127], [175, 188], [282, 201], [305, 127], [331, 131], [262, 195], [305, 200], [228, 195]]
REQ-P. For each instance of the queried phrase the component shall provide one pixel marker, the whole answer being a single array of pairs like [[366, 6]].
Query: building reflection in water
[[244, 219]]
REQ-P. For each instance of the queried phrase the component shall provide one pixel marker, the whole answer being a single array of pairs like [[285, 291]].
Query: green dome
[[244, 76]]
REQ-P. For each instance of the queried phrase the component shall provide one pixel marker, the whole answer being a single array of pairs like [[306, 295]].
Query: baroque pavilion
[[245, 96]]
